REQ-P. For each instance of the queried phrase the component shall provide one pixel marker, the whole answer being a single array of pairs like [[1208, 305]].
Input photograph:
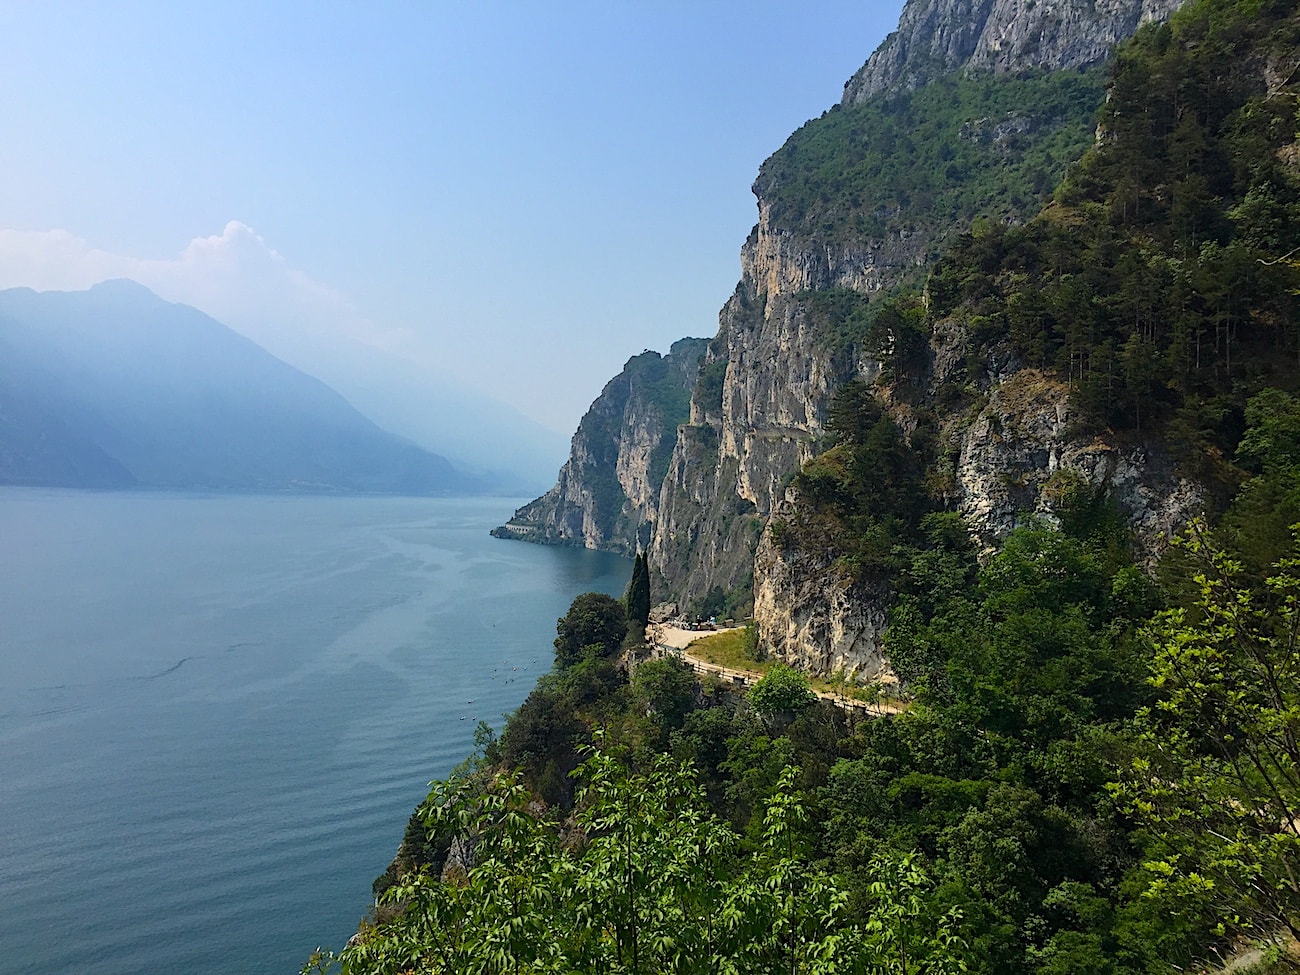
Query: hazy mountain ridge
[[115, 387]]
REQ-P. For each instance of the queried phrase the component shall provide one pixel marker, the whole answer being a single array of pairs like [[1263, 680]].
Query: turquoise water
[[217, 713]]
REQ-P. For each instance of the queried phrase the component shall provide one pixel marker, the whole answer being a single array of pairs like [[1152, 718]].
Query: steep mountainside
[[114, 387], [608, 491], [857, 203], [1105, 351], [1093, 367], [937, 37]]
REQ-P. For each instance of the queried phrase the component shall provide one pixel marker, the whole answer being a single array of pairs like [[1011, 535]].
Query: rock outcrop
[[608, 491], [1020, 453], [1024, 456], [815, 618], [935, 37]]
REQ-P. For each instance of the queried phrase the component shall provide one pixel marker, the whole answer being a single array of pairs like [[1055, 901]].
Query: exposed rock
[[608, 490], [460, 859], [1021, 454], [815, 618], [725, 476], [935, 37]]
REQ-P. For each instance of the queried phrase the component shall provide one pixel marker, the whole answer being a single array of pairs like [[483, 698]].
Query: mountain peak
[[123, 286], [936, 37]]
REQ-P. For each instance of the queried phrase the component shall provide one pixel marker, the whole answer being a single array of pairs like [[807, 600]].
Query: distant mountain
[[114, 387]]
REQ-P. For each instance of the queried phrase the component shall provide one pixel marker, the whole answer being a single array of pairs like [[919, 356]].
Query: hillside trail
[[676, 640]]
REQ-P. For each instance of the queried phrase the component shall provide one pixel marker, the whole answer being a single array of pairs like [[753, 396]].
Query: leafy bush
[[782, 689], [595, 622]]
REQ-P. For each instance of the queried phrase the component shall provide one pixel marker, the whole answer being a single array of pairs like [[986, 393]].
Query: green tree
[[637, 598], [781, 690], [667, 689], [904, 935], [647, 880], [594, 621], [1215, 780]]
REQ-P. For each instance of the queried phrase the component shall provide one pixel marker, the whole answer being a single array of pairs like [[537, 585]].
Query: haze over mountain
[[114, 387]]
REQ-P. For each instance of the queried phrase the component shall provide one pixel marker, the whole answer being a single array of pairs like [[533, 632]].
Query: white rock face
[[935, 37], [780, 262], [811, 617], [1020, 447], [731, 463]]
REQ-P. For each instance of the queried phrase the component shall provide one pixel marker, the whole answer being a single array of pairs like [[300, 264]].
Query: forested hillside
[[1095, 766], [1106, 349]]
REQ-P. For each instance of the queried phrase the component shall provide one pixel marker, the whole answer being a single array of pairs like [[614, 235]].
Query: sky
[[422, 203]]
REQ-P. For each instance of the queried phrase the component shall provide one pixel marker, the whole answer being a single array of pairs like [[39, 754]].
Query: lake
[[218, 712]]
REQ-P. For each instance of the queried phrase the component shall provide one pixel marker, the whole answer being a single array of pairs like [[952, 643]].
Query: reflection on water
[[216, 713]]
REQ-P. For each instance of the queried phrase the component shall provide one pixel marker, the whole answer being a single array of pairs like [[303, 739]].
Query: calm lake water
[[217, 713]]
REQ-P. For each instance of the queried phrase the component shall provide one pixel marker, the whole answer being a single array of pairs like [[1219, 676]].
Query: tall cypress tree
[[637, 598]]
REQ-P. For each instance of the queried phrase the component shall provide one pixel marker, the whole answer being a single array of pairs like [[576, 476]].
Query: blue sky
[[509, 198]]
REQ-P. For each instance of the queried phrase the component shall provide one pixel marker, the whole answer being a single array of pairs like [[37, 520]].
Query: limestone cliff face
[[731, 463], [608, 490], [935, 37], [1019, 454], [758, 410], [815, 618], [1015, 455]]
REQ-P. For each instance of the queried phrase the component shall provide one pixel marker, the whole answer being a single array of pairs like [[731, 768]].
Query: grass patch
[[727, 649]]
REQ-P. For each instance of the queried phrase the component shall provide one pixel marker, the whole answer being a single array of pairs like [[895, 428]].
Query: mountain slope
[[608, 490], [934, 135], [1094, 367], [113, 387], [858, 203]]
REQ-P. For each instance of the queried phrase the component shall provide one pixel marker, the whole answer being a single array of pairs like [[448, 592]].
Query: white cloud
[[235, 276]]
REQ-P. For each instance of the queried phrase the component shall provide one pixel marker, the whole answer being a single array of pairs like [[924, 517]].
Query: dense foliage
[[643, 877], [864, 497], [934, 158], [1215, 781], [1094, 776], [1161, 284], [992, 793]]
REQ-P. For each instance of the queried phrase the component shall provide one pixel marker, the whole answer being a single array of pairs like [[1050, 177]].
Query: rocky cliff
[[784, 351], [936, 37], [1020, 451], [608, 491], [935, 132]]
